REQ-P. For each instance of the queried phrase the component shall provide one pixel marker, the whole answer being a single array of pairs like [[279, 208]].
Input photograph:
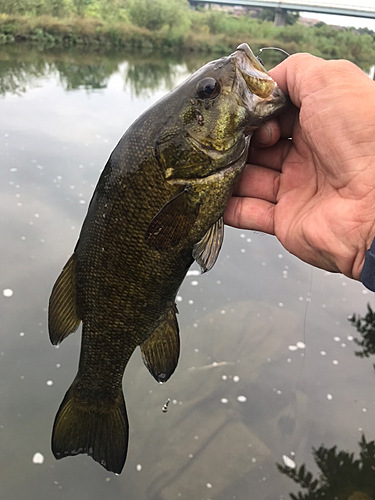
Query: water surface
[[267, 362]]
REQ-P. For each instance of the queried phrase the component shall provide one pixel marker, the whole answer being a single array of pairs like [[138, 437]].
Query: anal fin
[[62, 310], [206, 251], [161, 351]]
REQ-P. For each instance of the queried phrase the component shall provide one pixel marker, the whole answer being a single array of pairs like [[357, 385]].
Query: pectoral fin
[[173, 223], [62, 311], [206, 251], [161, 351]]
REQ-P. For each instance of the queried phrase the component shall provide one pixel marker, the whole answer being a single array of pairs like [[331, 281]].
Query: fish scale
[[158, 205]]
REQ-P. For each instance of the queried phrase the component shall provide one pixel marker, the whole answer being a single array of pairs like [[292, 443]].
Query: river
[[268, 369]]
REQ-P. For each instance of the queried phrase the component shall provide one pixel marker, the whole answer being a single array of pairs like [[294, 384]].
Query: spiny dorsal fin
[[161, 351], [62, 311], [206, 251], [173, 223]]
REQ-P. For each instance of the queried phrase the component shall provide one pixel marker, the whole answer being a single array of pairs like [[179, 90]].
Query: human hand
[[315, 192]]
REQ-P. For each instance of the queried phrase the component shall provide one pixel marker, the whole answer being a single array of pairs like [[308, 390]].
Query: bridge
[[282, 6]]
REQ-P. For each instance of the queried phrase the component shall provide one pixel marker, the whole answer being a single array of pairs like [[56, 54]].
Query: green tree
[[155, 14]]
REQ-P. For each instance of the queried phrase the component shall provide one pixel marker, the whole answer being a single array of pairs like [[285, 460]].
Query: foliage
[[365, 326], [171, 24], [341, 476]]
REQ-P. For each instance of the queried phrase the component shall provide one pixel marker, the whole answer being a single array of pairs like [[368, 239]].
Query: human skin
[[310, 179]]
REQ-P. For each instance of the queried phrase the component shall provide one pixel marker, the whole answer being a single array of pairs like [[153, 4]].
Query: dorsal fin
[[62, 310]]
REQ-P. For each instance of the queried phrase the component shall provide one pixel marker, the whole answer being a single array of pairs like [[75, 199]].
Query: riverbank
[[212, 34]]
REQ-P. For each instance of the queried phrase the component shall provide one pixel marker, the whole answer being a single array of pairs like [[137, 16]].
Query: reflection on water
[[267, 369], [341, 476], [365, 326]]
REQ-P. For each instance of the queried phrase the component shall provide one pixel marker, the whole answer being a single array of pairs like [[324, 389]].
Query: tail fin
[[100, 431]]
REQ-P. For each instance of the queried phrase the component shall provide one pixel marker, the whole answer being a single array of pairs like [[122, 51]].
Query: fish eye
[[208, 88]]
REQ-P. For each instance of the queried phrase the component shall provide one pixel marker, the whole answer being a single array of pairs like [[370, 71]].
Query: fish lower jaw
[[232, 169]]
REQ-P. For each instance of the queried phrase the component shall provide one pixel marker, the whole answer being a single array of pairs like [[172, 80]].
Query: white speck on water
[[39, 167], [191, 302], [218, 282], [329, 397], [193, 272], [349, 337], [242, 235], [248, 240], [49, 383], [36, 215], [300, 345], [138, 467], [107, 479], [236, 378], [292, 348], [178, 298], [281, 304], [38, 458], [224, 377], [335, 362], [174, 401], [82, 202], [195, 325], [22, 334], [280, 255], [364, 410], [323, 353], [222, 311], [196, 350], [23, 238], [300, 299], [336, 339], [209, 485], [365, 292], [194, 283], [13, 170], [254, 460], [289, 462], [7, 292], [243, 250], [263, 264], [72, 227], [58, 365], [343, 344], [196, 438], [242, 399], [191, 455], [224, 400], [289, 360], [324, 306]]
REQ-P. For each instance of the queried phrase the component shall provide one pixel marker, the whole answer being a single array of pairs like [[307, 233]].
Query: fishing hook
[[271, 48]]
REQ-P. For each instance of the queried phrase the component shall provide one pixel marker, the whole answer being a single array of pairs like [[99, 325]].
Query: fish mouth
[[258, 91]]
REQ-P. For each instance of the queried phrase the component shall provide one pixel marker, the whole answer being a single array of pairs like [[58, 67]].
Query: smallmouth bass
[[157, 207]]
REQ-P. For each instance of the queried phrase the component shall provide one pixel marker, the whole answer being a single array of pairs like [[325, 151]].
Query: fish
[[158, 207]]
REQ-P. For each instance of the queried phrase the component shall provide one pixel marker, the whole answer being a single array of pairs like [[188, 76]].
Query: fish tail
[[98, 429]]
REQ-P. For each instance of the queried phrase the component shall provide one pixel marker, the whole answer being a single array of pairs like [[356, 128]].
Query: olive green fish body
[[157, 207]]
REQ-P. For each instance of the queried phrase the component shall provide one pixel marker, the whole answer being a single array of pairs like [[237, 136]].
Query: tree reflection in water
[[341, 476], [365, 326]]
